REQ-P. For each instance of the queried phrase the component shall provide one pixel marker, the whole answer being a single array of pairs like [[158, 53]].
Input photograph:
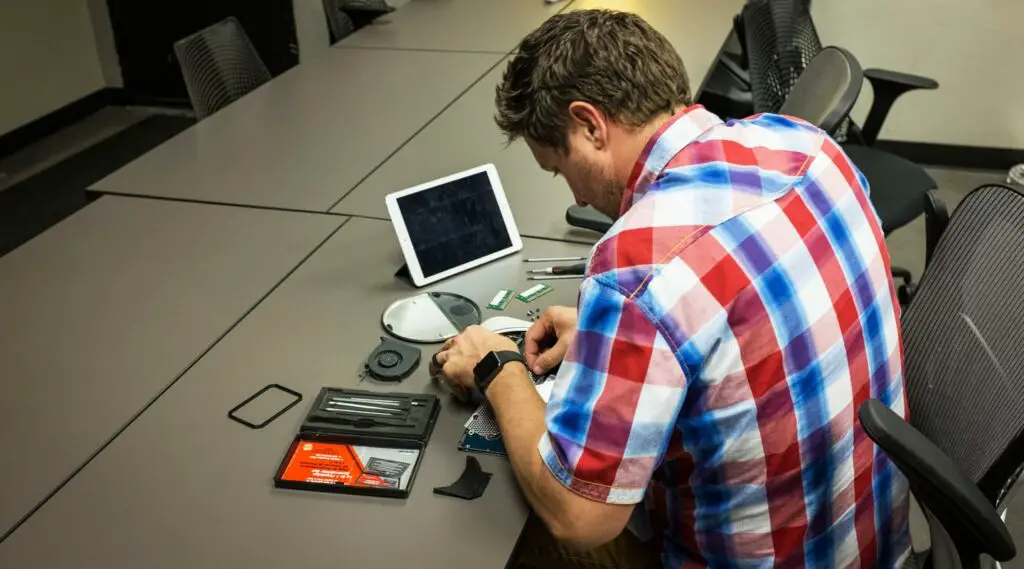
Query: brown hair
[[613, 60]]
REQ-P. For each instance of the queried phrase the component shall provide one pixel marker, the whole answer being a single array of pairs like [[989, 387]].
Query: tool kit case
[[360, 442]]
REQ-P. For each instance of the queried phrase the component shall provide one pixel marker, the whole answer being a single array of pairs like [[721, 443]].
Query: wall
[[310, 28], [973, 49], [48, 58]]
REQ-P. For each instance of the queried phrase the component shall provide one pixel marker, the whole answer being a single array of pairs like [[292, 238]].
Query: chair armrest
[[898, 77], [939, 484], [888, 86], [587, 218]]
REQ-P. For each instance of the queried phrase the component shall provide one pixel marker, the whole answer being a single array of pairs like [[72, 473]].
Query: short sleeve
[[616, 400]]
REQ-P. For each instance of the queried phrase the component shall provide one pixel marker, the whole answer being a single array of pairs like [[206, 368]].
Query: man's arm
[[571, 518], [585, 460]]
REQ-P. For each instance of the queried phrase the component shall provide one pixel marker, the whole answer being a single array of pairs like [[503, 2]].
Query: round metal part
[[430, 317]]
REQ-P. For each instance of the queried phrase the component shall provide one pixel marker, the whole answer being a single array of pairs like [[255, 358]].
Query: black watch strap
[[491, 365]]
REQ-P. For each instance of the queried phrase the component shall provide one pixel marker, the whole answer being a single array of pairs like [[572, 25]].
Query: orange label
[[324, 463], [350, 465]]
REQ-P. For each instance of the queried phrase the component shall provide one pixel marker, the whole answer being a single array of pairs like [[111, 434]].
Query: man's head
[[587, 90]]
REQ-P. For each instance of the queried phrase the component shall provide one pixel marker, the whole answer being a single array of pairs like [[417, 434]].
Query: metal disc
[[430, 317]]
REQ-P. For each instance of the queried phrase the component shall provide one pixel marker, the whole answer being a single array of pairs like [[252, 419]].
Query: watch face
[[486, 367]]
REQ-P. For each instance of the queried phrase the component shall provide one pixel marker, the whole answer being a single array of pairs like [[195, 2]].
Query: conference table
[[104, 310], [337, 134], [464, 136], [301, 141], [186, 487], [456, 25]]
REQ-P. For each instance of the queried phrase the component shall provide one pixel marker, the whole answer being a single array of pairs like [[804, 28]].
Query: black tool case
[[363, 425]]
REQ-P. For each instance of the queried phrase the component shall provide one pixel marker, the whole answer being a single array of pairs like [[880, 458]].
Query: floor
[[906, 245], [71, 140]]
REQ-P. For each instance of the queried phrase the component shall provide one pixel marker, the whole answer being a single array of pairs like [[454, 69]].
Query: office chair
[[963, 448], [220, 66], [781, 34], [823, 96], [338, 22], [726, 89]]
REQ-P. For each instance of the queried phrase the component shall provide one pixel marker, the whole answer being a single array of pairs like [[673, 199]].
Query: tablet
[[453, 224]]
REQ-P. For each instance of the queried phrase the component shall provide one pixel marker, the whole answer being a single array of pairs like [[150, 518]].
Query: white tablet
[[453, 224]]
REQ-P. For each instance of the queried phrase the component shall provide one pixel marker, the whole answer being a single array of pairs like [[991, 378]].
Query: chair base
[[906, 290]]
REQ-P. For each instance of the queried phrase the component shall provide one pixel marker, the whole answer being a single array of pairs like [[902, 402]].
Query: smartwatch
[[489, 367]]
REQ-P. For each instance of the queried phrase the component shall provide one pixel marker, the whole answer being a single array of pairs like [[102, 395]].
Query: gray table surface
[[696, 28], [494, 26], [307, 137], [186, 487], [105, 309], [465, 134]]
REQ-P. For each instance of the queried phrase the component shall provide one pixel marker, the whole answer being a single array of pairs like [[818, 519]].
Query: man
[[728, 327]]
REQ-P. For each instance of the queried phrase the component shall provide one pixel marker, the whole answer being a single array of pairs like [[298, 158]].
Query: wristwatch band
[[491, 365]]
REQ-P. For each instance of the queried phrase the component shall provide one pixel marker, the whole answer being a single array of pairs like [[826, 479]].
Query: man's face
[[586, 168]]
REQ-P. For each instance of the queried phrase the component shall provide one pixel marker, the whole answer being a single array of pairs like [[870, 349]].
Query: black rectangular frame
[[251, 398]]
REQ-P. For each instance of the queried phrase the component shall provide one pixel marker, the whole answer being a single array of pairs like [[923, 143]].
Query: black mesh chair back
[[338, 22], [780, 41], [962, 337], [220, 66], [826, 91]]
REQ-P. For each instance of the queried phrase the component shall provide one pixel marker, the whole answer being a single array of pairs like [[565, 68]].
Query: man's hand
[[549, 338], [459, 355]]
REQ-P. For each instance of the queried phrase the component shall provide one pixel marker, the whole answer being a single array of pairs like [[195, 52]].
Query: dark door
[[145, 32]]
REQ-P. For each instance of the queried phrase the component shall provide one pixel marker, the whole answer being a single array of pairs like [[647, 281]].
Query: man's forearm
[[571, 518], [520, 414]]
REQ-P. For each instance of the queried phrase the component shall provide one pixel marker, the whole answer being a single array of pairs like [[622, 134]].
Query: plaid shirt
[[730, 324]]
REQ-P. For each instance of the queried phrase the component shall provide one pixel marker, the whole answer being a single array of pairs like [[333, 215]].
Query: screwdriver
[[577, 269]]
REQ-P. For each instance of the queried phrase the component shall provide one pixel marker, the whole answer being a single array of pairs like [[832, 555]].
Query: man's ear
[[591, 121]]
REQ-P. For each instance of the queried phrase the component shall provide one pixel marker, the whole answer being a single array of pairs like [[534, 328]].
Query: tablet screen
[[454, 223]]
